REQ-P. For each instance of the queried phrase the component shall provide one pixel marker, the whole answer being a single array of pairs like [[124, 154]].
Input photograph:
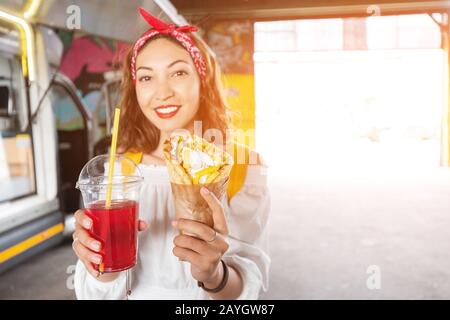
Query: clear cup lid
[[95, 172]]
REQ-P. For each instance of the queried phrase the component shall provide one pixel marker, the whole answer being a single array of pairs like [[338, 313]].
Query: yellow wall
[[232, 42], [240, 92]]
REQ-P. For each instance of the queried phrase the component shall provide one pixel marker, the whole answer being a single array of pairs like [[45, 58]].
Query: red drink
[[116, 228]]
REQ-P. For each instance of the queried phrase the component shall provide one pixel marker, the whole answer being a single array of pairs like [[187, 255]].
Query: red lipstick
[[167, 111]]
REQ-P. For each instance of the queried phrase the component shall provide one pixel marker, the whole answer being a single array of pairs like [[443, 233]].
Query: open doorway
[[348, 117], [355, 93]]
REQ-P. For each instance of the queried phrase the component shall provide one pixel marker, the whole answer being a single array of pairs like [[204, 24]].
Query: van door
[[74, 130], [30, 220]]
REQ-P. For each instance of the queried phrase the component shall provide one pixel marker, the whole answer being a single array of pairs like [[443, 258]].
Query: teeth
[[166, 110]]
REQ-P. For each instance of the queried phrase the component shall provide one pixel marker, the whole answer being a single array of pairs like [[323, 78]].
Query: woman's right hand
[[87, 248]]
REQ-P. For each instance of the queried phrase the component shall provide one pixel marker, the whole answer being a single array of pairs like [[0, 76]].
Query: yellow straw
[[112, 156]]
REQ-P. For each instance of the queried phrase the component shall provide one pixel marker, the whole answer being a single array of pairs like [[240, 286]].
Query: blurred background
[[347, 101]]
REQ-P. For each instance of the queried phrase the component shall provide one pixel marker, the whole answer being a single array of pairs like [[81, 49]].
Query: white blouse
[[158, 274]]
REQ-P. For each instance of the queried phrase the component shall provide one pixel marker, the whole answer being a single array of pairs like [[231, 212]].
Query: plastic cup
[[114, 226]]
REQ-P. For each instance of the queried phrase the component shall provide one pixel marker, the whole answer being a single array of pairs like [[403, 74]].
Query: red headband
[[160, 27]]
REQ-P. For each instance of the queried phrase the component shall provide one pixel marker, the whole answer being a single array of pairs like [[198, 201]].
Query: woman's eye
[[180, 73], [145, 78]]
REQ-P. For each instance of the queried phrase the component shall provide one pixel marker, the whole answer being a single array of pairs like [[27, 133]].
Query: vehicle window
[[17, 174]]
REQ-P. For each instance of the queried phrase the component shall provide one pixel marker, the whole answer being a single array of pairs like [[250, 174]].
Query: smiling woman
[[171, 80], [168, 86], [168, 93]]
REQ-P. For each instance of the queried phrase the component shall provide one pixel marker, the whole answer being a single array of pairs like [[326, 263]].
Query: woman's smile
[[167, 111]]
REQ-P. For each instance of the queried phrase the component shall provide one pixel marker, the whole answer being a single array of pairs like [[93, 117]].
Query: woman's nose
[[164, 91]]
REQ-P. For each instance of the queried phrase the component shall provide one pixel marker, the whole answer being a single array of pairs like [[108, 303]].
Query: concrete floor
[[45, 276], [323, 243], [327, 227]]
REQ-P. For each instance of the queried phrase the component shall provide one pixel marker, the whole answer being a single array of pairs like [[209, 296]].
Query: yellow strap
[[239, 170], [237, 175], [136, 157]]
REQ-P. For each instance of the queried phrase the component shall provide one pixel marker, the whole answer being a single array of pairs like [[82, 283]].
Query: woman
[[171, 80]]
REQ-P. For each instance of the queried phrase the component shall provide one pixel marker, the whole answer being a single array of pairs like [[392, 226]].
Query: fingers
[[220, 223], [90, 268], [194, 244], [82, 219], [85, 239], [83, 245], [205, 234], [87, 247], [142, 225], [82, 223], [200, 230], [202, 263], [84, 254], [184, 254]]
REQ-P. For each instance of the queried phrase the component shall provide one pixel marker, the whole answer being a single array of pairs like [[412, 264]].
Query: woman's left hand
[[204, 251]]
